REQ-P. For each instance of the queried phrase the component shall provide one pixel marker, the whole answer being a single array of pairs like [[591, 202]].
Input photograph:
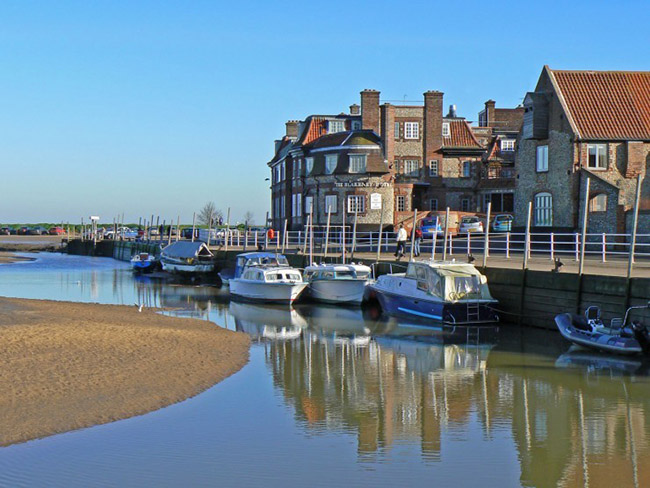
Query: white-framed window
[[598, 203], [411, 130], [597, 156], [445, 129], [400, 203], [308, 204], [296, 204], [412, 167], [331, 160], [356, 203], [467, 169], [543, 204], [433, 204], [297, 166], [465, 204], [335, 126], [358, 163], [396, 130], [309, 165], [507, 145], [433, 168], [356, 125], [542, 159], [331, 203], [282, 171]]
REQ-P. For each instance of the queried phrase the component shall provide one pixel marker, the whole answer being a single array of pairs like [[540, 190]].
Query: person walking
[[401, 242], [416, 241]]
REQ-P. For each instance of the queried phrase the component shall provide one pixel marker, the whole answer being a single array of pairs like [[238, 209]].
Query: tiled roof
[[460, 135], [607, 105], [283, 150], [315, 127], [347, 138]]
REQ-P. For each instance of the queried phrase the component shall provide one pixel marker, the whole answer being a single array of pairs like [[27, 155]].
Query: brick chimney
[[432, 125], [370, 110], [292, 128], [388, 131], [489, 112], [355, 109]]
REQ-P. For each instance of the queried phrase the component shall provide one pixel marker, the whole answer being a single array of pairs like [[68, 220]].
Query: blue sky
[[141, 108]]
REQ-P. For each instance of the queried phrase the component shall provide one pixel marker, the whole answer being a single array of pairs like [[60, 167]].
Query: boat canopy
[[337, 271], [449, 281], [259, 259], [187, 250]]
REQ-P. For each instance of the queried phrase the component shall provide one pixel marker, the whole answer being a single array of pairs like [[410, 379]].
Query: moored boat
[[144, 262], [444, 292], [337, 283], [251, 259], [187, 257], [591, 332], [276, 284]]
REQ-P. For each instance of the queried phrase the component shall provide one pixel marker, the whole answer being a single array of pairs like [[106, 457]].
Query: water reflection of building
[[570, 429]]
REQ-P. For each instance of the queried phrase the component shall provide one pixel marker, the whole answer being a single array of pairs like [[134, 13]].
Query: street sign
[[375, 201]]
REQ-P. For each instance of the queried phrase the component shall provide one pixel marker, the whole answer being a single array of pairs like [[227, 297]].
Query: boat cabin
[[258, 259], [449, 281], [337, 272], [272, 275]]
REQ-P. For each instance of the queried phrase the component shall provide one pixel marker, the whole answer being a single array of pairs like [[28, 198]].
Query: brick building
[[580, 124]]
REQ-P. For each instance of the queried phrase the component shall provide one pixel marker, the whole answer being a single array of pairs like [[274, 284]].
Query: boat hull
[[337, 291], [595, 340], [143, 266], [266, 292], [448, 313]]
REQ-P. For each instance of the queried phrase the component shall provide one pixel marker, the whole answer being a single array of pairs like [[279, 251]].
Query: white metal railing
[[598, 246]]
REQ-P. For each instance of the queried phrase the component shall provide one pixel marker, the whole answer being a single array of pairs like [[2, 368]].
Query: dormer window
[[331, 160], [507, 145], [356, 125], [445, 129], [309, 165], [336, 126], [357, 163]]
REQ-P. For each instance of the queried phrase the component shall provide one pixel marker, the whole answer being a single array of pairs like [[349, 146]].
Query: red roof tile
[[316, 127], [607, 105], [460, 135]]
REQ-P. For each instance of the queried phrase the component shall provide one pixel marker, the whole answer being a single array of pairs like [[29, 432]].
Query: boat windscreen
[[465, 287]]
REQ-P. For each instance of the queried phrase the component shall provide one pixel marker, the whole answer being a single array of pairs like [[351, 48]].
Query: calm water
[[340, 396]]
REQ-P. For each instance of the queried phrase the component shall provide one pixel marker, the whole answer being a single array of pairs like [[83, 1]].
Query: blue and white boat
[[337, 283], [251, 259], [446, 292], [144, 262]]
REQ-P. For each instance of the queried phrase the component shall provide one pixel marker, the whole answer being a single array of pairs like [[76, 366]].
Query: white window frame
[[446, 131], [433, 204], [466, 169], [331, 161], [358, 163], [601, 156], [335, 126], [331, 201], [309, 165], [543, 209], [400, 199], [411, 130], [396, 130], [411, 167], [434, 168], [358, 202], [356, 125], [298, 205], [282, 171], [507, 145], [541, 159]]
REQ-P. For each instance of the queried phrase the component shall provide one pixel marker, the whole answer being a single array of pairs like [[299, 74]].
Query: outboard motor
[[642, 336]]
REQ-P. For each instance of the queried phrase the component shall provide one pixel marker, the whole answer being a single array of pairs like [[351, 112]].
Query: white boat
[[187, 257], [337, 283], [446, 292], [274, 284], [250, 259]]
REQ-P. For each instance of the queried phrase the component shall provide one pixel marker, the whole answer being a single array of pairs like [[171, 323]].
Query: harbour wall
[[530, 298]]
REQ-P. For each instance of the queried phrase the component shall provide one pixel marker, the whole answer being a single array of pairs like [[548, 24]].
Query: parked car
[[125, 232], [37, 231], [5, 231], [502, 223], [22, 230], [429, 225], [56, 231], [470, 223]]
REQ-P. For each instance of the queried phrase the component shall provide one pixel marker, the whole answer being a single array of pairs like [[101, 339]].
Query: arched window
[[309, 165], [598, 203], [543, 210]]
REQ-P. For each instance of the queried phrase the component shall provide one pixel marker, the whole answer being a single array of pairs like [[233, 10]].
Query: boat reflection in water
[[267, 322]]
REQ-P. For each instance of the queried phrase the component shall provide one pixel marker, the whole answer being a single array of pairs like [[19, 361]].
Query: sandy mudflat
[[9, 257], [64, 366]]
